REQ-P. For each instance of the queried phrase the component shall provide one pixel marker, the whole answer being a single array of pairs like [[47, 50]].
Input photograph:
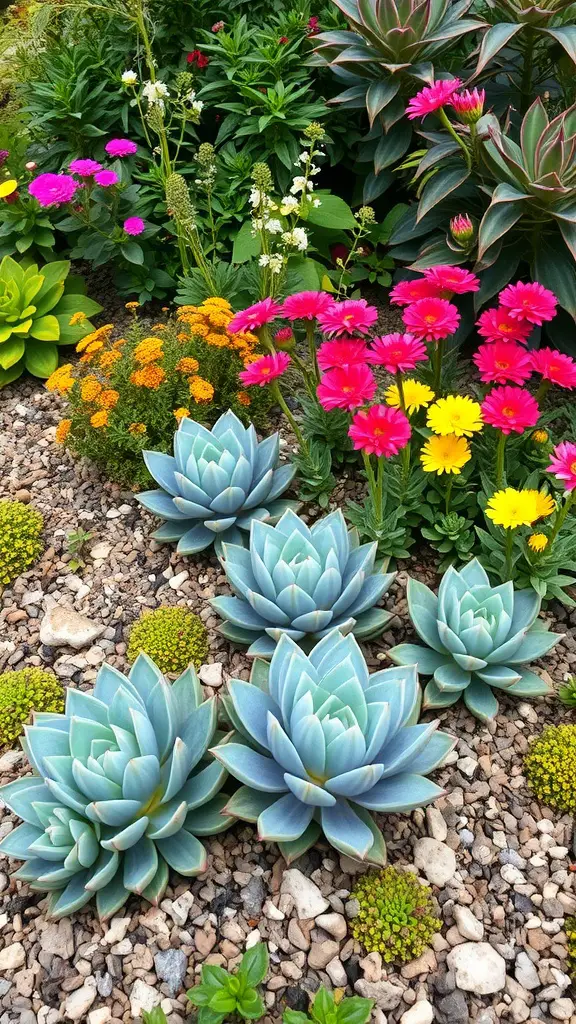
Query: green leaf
[[566, 36], [379, 95], [155, 1016], [392, 146], [223, 1002], [41, 359], [246, 245], [132, 252], [295, 1017], [254, 964], [72, 303], [495, 39], [504, 211], [11, 352], [333, 212], [323, 1006], [7, 376], [355, 1010], [251, 1006], [440, 186], [554, 268], [45, 328]]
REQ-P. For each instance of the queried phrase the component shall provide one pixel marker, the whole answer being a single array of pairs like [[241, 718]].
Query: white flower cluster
[[196, 106], [155, 93], [275, 262], [129, 78]]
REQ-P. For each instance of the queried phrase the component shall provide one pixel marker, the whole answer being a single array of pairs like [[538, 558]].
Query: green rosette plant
[[478, 637], [328, 1008], [223, 996], [119, 792], [38, 307]]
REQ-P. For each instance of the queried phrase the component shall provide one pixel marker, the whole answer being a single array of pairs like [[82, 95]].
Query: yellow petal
[[8, 187]]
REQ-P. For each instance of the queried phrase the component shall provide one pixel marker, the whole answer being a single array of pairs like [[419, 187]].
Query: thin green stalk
[[370, 476], [500, 458], [448, 126], [379, 510], [542, 391], [448, 493], [312, 350], [406, 451], [309, 384], [288, 414], [526, 82], [508, 550], [438, 357], [561, 516]]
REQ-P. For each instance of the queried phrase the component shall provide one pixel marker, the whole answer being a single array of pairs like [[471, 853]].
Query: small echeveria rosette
[[301, 581], [216, 483], [477, 637]]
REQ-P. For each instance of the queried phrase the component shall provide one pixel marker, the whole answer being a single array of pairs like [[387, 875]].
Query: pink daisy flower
[[455, 280], [397, 352], [254, 316], [346, 352], [380, 430], [406, 292], [84, 168], [106, 178], [306, 305], [431, 319], [347, 317], [121, 147], [503, 361], [563, 464], [531, 302], [285, 334], [53, 189], [432, 97], [462, 228], [498, 325], [346, 387], [265, 369], [134, 225], [510, 409], [554, 366], [469, 104]]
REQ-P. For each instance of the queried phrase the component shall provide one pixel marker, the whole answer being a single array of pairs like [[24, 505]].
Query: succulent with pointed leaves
[[477, 637], [119, 793], [321, 743], [216, 483], [302, 581]]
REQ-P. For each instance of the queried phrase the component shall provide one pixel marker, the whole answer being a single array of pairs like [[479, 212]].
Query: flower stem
[[312, 350], [288, 414], [542, 391], [438, 357], [509, 548], [370, 476], [561, 516], [448, 126], [500, 458], [407, 448], [448, 493], [379, 506]]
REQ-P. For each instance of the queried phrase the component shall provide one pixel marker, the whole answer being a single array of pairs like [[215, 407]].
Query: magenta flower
[[431, 319], [469, 104], [134, 226], [121, 147], [306, 305], [502, 362], [531, 302], [343, 352], [346, 387], [265, 369], [53, 189], [563, 464], [380, 430], [106, 178], [254, 316], [397, 353], [432, 97], [498, 325], [462, 228], [452, 280], [406, 292], [347, 318], [510, 409], [554, 366], [84, 168]]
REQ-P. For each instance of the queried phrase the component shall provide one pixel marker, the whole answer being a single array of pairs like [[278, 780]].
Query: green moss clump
[[570, 929], [173, 637], [20, 543], [397, 915], [550, 767], [22, 692]]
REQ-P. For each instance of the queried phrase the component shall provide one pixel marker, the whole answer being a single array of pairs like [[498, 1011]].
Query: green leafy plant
[[452, 536], [397, 915], [76, 541], [567, 692], [37, 305], [477, 637], [550, 767], [22, 692], [172, 637], [221, 995], [155, 1016], [315, 478], [570, 929], [20, 538], [326, 1008]]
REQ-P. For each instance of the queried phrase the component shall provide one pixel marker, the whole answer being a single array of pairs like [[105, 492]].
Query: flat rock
[[321, 953], [386, 995], [436, 860], [143, 997], [478, 968], [308, 900], [421, 1013], [211, 675], [79, 1002], [468, 925], [525, 972], [57, 938], [61, 626], [12, 957], [171, 966], [334, 924]]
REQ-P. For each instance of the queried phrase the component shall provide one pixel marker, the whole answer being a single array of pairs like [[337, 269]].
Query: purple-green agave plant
[[118, 794], [321, 744], [478, 637]]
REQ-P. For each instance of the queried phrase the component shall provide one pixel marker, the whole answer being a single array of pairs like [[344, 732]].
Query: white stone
[[308, 900], [545, 825], [272, 912], [478, 968], [467, 765], [116, 930], [12, 956], [386, 995], [64, 627], [562, 1009], [437, 826], [180, 908], [512, 875], [176, 582], [101, 550], [436, 860], [143, 997], [58, 938], [421, 1013], [336, 973], [79, 1002], [525, 972], [558, 852], [468, 925], [99, 1016], [334, 924], [211, 675]]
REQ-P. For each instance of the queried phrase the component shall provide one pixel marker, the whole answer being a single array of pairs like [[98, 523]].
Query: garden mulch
[[498, 864]]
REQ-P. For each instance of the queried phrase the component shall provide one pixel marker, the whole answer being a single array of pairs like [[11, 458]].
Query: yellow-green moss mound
[[22, 692], [173, 637], [550, 767], [20, 539], [397, 915]]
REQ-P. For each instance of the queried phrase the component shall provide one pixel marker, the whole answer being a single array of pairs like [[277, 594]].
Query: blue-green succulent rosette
[[320, 744], [216, 484], [478, 637]]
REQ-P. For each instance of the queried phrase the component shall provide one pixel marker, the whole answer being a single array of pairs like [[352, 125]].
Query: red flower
[[198, 58], [306, 305], [563, 464], [346, 387], [265, 369], [406, 292], [432, 97], [347, 317], [397, 352], [339, 251], [503, 361], [431, 319], [348, 352], [313, 25], [283, 40], [531, 302], [380, 430], [498, 325], [254, 316], [510, 409], [454, 280], [554, 366]]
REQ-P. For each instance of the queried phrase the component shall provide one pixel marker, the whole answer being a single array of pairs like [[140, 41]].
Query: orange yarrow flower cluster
[[210, 322], [149, 350], [62, 430], [148, 377], [201, 390], [61, 380]]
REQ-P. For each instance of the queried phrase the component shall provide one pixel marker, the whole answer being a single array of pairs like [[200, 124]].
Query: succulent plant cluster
[[119, 793], [22, 692], [321, 743], [397, 915], [216, 484], [302, 582], [20, 538], [478, 637], [550, 767], [172, 637]]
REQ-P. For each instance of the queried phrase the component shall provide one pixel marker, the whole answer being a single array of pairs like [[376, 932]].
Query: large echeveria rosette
[[320, 744], [216, 483], [477, 637], [301, 581], [120, 791]]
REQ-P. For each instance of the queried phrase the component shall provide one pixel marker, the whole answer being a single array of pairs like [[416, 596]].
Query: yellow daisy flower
[[511, 508], [545, 504], [445, 454], [540, 436], [537, 542], [455, 414], [416, 395]]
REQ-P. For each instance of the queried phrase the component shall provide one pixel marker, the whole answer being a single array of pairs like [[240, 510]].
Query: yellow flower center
[[573, 467], [502, 364], [507, 411], [430, 318]]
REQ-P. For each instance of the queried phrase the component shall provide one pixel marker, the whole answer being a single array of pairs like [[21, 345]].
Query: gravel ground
[[497, 860]]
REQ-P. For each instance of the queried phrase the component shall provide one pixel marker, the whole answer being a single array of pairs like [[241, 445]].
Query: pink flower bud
[[462, 228]]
